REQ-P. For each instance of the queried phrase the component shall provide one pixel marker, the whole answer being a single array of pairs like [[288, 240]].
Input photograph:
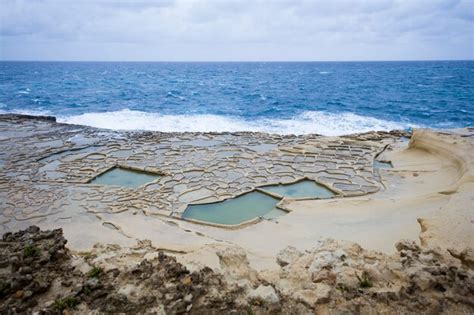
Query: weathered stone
[[324, 275], [265, 293], [320, 294], [288, 255], [234, 263], [92, 283]]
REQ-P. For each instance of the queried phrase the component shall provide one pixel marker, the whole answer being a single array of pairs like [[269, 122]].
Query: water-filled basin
[[379, 165], [124, 177], [301, 189], [234, 211]]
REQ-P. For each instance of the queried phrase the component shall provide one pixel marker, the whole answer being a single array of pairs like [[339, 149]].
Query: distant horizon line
[[236, 61]]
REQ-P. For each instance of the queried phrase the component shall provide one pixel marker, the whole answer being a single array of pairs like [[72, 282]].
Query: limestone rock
[[310, 297], [466, 256], [407, 245], [235, 265], [324, 275], [265, 293], [288, 255], [323, 259]]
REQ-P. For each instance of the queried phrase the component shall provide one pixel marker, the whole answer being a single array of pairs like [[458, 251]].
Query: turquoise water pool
[[236, 210], [118, 176], [379, 165], [301, 189]]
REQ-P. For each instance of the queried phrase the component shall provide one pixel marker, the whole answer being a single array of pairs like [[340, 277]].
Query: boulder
[[288, 255], [310, 297], [235, 265], [266, 294]]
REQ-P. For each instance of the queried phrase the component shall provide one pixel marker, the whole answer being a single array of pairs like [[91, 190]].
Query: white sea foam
[[329, 124], [27, 112]]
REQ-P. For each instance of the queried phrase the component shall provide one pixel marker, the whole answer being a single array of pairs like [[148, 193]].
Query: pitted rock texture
[[333, 278], [45, 168], [38, 274], [341, 277], [30, 261]]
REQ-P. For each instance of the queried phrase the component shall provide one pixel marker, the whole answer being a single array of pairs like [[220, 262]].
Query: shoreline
[[426, 196], [304, 123], [15, 116]]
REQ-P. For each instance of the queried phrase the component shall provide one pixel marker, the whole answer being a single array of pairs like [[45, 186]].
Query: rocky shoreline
[[40, 275]]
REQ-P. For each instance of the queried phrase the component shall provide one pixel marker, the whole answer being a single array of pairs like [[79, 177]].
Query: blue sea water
[[329, 98]]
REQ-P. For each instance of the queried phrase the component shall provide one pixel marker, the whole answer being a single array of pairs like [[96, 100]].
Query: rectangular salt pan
[[301, 189], [379, 165], [124, 177], [233, 211]]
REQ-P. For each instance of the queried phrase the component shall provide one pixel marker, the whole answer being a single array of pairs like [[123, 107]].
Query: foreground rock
[[30, 261], [342, 276], [38, 273]]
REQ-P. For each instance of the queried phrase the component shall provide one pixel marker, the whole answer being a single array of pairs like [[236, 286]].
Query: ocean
[[329, 98]]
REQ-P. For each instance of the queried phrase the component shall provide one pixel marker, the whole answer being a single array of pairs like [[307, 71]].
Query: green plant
[[87, 290], [94, 272], [342, 287], [31, 251], [64, 303], [364, 281]]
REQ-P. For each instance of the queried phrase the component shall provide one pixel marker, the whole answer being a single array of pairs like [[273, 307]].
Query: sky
[[240, 30]]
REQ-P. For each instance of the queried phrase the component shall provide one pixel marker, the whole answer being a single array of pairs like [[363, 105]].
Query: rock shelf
[[45, 166]]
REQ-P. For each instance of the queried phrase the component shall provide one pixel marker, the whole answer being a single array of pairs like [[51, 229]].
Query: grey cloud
[[236, 30]]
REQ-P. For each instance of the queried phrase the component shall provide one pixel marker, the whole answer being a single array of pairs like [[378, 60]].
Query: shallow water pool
[[118, 176], [234, 211], [379, 165], [301, 189]]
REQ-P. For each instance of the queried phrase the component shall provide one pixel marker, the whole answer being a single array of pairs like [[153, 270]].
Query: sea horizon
[[243, 61]]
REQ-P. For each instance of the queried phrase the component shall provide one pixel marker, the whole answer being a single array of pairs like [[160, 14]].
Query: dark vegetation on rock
[[32, 260], [39, 274]]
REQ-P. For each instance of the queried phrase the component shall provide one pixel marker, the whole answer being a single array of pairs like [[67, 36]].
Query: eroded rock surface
[[342, 275], [334, 277]]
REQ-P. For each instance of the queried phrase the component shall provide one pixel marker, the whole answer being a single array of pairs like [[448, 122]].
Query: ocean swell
[[328, 124]]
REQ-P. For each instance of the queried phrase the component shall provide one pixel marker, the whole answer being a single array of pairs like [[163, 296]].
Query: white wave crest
[[328, 124], [26, 112]]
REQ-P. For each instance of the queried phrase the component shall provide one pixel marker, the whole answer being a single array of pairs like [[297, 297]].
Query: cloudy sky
[[219, 30]]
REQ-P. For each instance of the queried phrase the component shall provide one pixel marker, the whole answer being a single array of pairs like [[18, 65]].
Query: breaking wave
[[328, 124]]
